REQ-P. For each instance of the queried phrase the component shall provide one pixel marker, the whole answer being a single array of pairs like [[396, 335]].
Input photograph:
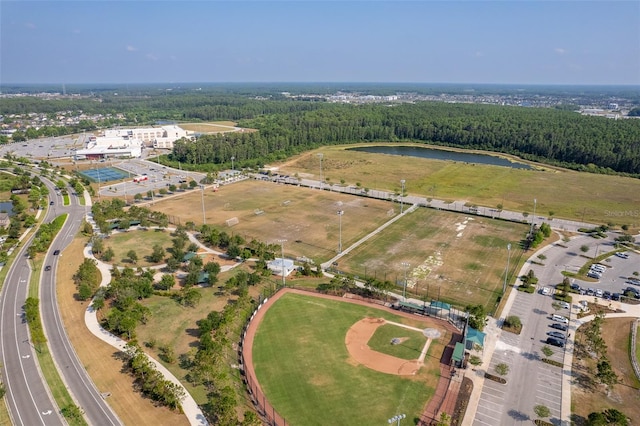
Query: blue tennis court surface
[[105, 174]]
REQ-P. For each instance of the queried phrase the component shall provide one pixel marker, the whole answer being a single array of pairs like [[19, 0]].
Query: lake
[[441, 154]]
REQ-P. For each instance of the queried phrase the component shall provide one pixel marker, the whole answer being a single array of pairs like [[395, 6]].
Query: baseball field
[[312, 372]]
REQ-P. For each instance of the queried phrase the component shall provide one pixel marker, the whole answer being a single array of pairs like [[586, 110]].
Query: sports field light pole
[[534, 216], [405, 265], [320, 156], [340, 213], [396, 419], [282, 241], [506, 272], [204, 215], [402, 196], [232, 158]]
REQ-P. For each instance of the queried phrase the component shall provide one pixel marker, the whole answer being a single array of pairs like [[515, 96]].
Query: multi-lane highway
[[27, 394], [29, 400], [90, 400]]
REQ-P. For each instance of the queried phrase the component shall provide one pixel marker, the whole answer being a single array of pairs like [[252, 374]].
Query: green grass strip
[[47, 366], [66, 199]]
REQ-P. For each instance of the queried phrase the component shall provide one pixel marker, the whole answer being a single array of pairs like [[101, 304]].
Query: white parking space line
[[478, 421], [484, 407]]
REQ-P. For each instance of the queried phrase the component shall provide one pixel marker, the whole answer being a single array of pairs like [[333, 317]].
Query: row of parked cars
[[596, 270], [560, 324]]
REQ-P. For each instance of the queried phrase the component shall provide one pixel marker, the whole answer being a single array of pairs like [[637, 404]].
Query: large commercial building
[[157, 137]]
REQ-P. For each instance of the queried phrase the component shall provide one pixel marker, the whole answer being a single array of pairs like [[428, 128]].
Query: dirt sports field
[[342, 376]]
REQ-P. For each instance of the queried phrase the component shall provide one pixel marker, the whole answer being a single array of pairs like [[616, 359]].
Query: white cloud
[[151, 57], [30, 25], [559, 50], [131, 48]]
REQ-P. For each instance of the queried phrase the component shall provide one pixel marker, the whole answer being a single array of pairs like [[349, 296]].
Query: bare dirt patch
[[98, 357], [356, 340]]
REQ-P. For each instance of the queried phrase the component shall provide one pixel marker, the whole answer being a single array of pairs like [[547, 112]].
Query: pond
[[441, 154], [6, 207]]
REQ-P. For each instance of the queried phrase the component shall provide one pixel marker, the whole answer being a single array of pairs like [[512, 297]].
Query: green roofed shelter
[[188, 256], [203, 277], [474, 337], [458, 355]]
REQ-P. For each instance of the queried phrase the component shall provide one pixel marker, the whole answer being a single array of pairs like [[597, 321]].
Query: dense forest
[[546, 135], [287, 126]]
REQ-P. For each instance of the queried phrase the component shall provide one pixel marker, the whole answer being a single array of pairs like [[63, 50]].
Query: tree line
[[549, 136]]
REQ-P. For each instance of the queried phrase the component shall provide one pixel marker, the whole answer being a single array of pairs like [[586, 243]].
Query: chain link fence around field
[[264, 408]]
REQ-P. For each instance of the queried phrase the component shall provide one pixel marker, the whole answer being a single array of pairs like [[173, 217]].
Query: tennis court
[[105, 174]]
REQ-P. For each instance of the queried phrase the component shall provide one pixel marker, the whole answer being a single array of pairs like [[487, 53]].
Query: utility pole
[[282, 270], [320, 155], [402, 196]]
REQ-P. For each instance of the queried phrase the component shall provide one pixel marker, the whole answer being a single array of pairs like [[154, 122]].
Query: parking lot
[[616, 276]]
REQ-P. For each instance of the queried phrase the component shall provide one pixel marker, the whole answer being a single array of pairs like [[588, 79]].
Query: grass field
[[597, 198], [98, 357], [142, 241], [587, 397], [306, 373], [412, 341], [448, 259], [306, 218], [450, 256], [213, 127]]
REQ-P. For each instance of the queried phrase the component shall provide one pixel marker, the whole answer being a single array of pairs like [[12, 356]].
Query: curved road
[[86, 395], [27, 396]]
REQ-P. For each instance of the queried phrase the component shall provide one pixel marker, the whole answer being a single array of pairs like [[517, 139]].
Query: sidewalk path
[[191, 410]]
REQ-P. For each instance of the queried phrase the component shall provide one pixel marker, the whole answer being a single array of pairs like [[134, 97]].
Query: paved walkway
[[191, 410]]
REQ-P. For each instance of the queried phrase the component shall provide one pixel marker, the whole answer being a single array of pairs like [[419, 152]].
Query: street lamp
[[282, 241], [320, 156], [506, 272], [396, 419], [232, 158], [402, 196], [340, 213], [204, 216], [534, 216], [404, 291]]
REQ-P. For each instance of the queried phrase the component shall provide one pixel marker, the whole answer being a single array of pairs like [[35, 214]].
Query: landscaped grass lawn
[[408, 349], [303, 366], [142, 241], [569, 194]]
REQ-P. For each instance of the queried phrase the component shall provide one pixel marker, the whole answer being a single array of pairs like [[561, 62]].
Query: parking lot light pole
[[340, 213], [533, 218], [506, 271], [405, 265]]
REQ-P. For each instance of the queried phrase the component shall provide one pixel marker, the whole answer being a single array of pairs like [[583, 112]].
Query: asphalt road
[[27, 396], [94, 406]]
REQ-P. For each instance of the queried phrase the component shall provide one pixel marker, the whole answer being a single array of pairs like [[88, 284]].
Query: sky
[[497, 42]]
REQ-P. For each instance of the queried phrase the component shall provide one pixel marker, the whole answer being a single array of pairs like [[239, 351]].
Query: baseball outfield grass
[[303, 366]]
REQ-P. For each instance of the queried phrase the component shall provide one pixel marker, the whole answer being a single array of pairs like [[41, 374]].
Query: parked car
[[555, 342], [575, 287], [565, 305], [560, 318], [615, 296], [557, 335], [622, 255], [545, 291], [599, 293], [606, 295], [558, 326]]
